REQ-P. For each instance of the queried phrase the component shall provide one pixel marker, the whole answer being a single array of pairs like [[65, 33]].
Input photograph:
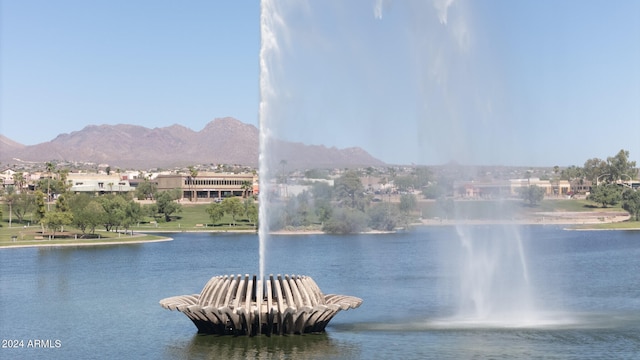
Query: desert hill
[[222, 141]]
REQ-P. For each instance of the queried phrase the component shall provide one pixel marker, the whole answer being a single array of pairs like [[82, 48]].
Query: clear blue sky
[[492, 82]]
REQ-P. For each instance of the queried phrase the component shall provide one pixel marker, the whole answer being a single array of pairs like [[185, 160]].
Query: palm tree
[[383, 181], [9, 198], [246, 186], [193, 173], [50, 168], [284, 178], [18, 181]]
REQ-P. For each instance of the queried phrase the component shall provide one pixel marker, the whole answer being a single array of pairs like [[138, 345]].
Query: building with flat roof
[[210, 185], [97, 183], [509, 188]]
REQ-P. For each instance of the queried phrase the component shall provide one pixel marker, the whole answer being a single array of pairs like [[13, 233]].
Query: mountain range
[[221, 141]]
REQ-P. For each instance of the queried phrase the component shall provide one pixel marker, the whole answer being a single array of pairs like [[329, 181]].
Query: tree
[[283, 179], [418, 178], [251, 211], [571, 173], [246, 186], [167, 205], [56, 220], [23, 203], [316, 174], [631, 203], [18, 181], [193, 173], [345, 221], [51, 187], [9, 198], [233, 207], [383, 216], [297, 211], [532, 194], [322, 191], [605, 194], [50, 166], [146, 190], [59, 217], [133, 214], [215, 212], [41, 209], [620, 167], [323, 209], [114, 207], [433, 191], [593, 168], [408, 203], [62, 203], [87, 213], [423, 176], [349, 191], [405, 183]]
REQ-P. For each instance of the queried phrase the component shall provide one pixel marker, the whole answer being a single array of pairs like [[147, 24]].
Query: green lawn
[[194, 217], [625, 225], [507, 209], [572, 205]]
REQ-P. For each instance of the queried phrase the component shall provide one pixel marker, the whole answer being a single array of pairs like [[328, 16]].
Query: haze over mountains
[[222, 141]]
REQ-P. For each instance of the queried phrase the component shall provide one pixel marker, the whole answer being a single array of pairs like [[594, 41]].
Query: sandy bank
[[43, 243], [543, 218]]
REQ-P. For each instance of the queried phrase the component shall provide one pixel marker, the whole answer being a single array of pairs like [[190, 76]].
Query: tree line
[[346, 207], [85, 212]]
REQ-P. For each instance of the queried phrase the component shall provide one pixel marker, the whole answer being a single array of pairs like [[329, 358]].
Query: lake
[[102, 302]]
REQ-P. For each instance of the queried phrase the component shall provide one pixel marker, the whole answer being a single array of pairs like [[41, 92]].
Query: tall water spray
[[437, 89], [268, 50], [494, 283]]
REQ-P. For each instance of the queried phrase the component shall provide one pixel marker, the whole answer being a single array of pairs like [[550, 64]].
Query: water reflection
[[314, 346]]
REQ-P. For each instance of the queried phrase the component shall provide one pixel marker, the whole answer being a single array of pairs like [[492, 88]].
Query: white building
[[97, 183]]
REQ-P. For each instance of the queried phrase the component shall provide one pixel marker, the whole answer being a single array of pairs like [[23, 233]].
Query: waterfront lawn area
[[625, 225], [506, 209], [193, 217], [32, 235]]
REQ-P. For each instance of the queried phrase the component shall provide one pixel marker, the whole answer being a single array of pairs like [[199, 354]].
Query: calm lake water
[[102, 302]]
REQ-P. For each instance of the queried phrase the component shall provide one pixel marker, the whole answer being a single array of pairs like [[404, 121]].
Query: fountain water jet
[[268, 49], [494, 285], [254, 305]]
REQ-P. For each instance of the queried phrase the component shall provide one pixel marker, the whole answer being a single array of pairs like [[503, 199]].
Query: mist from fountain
[[490, 264], [494, 285]]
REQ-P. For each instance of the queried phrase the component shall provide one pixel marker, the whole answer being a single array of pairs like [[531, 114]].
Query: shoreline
[[97, 243], [561, 218]]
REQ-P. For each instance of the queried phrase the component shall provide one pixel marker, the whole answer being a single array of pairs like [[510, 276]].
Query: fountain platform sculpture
[[243, 305]]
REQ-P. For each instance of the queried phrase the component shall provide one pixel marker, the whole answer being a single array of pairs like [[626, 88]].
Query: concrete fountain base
[[243, 305]]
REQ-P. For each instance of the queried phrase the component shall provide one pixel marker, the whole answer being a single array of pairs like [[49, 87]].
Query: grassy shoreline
[[576, 214], [85, 242]]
